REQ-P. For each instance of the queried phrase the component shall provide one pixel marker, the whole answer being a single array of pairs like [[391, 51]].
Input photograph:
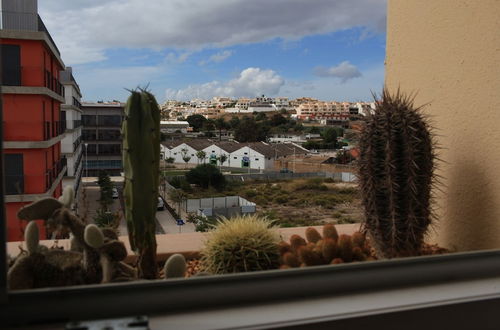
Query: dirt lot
[[301, 202]]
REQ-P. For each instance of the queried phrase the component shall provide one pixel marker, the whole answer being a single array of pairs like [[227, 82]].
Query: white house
[[217, 149], [258, 156], [174, 126]]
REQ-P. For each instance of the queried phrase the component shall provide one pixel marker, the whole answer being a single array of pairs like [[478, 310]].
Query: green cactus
[[67, 196], [241, 244], [175, 266], [31, 237], [396, 176], [93, 236], [141, 156]]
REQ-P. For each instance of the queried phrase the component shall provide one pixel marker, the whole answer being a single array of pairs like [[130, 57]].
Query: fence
[[220, 206]]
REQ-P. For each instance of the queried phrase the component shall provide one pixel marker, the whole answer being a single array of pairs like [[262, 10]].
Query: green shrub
[[206, 175], [281, 199]]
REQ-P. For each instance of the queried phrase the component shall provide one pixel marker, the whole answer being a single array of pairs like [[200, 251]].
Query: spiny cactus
[[330, 249], [175, 266], [241, 244], [312, 235], [329, 231], [396, 176], [141, 157]]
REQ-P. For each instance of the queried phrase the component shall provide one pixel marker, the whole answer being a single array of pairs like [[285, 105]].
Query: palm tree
[[201, 156], [185, 157], [220, 124], [177, 196], [222, 158]]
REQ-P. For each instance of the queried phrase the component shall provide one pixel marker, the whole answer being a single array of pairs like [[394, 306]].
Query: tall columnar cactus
[[396, 176], [141, 155]]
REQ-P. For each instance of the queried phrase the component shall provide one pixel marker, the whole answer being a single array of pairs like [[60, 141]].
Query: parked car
[[115, 192], [160, 205]]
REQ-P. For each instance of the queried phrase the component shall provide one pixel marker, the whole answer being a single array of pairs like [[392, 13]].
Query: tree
[[185, 157], [201, 156], [220, 124], [196, 122], [106, 189], [251, 131], [277, 120], [209, 125], [170, 160], [234, 122], [222, 158], [177, 196], [330, 137], [206, 175]]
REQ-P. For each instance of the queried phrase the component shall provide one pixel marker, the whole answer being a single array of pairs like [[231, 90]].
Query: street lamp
[[86, 161]]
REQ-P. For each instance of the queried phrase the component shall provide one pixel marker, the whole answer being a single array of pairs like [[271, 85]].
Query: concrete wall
[[448, 51]]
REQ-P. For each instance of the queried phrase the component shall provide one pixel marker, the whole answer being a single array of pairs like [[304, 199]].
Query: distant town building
[[175, 127], [71, 145], [102, 137]]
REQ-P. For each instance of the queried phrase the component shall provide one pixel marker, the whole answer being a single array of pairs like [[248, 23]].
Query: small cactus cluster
[[323, 250], [95, 257], [241, 244]]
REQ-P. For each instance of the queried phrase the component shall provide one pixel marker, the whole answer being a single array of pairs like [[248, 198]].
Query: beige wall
[[449, 52]]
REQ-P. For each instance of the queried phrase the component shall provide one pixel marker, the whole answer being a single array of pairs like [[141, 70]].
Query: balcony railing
[[77, 143], [77, 123], [76, 103], [53, 83], [51, 174]]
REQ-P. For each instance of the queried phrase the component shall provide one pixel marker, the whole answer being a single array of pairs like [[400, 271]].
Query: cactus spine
[[141, 154], [396, 176]]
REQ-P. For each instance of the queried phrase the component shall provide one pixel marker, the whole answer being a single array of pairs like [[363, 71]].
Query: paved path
[[89, 203]]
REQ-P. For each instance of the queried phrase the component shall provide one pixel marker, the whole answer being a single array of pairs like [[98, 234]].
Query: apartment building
[[33, 127], [71, 144], [102, 139], [323, 110]]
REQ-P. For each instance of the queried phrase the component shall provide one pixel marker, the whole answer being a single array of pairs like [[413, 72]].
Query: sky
[[186, 49]]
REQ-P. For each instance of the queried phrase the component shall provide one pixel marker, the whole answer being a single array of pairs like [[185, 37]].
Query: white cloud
[[90, 27], [250, 82], [329, 89], [177, 58], [344, 71], [218, 57]]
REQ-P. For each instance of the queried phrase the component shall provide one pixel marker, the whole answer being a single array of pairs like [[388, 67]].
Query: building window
[[14, 175], [11, 65], [256, 159]]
